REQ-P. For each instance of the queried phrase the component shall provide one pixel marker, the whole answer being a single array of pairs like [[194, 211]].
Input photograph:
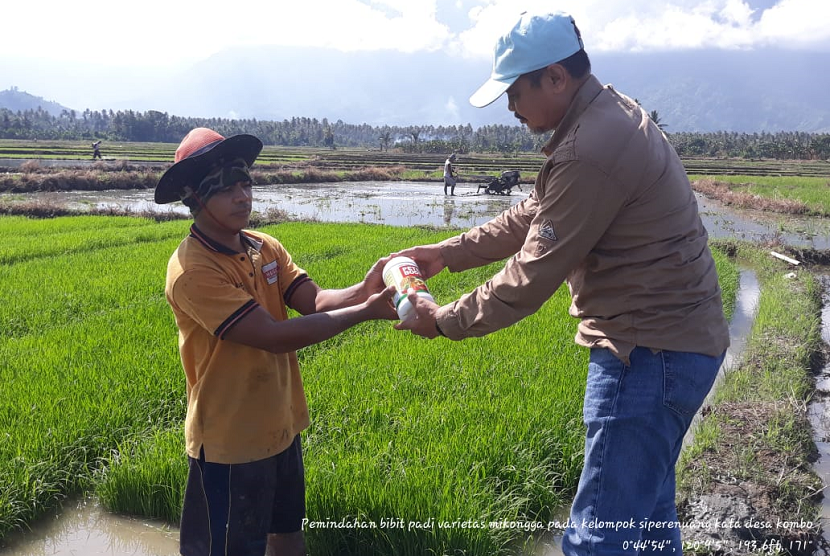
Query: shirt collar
[[582, 99], [209, 243], [252, 240]]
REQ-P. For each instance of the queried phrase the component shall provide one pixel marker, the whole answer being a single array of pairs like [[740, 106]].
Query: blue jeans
[[636, 416]]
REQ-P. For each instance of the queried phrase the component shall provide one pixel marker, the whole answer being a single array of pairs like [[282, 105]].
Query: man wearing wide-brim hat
[[230, 289], [613, 215]]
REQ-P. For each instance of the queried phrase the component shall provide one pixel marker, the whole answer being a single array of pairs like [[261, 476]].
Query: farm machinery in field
[[501, 185]]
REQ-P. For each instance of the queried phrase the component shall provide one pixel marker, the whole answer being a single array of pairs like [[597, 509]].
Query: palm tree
[[655, 117], [385, 138]]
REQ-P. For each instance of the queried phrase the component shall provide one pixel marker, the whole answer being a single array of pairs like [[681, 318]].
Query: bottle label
[[406, 277], [410, 279]]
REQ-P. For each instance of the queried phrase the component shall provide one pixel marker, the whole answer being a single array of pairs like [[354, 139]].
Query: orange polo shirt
[[243, 404]]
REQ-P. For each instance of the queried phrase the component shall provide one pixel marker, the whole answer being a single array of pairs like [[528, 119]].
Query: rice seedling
[[73, 392], [144, 475], [14, 227], [728, 278], [429, 441], [76, 239]]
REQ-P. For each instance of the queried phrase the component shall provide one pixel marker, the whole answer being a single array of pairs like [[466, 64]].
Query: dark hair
[[578, 65]]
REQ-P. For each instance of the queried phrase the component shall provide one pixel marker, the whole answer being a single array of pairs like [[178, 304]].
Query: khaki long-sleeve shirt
[[613, 214]]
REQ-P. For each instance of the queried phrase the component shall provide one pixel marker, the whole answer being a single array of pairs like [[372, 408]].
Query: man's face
[[540, 107], [232, 205]]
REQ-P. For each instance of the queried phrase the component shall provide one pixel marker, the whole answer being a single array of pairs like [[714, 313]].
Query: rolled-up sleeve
[[493, 241], [573, 206]]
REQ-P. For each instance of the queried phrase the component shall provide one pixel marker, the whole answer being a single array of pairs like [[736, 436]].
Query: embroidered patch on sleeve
[[546, 231], [271, 271]]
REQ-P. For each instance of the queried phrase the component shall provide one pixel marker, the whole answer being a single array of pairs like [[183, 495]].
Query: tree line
[[154, 126]]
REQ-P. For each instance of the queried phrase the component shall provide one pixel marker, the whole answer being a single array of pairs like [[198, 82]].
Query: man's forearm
[[495, 240], [304, 331], [328, 300]]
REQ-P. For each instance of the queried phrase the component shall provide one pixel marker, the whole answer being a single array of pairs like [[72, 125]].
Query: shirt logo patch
[[271, 271], [546, 231]]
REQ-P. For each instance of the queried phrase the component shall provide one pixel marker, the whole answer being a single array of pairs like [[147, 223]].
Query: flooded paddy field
[[81, 527], [401, 203], [392, 203]]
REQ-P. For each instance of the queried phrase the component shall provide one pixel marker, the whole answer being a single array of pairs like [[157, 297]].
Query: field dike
[[747, 485]]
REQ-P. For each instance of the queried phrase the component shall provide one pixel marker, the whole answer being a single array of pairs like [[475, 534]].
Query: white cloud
[[349, 25], [452, 110], [737, 13], [487, 23], [797, 23], [709, 25], [648, 25], [160, 32], [156, 33]]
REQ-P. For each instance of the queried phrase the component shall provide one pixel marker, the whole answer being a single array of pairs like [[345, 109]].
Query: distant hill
[[727, 90], [697, 91], [693, 90], [14, 100]]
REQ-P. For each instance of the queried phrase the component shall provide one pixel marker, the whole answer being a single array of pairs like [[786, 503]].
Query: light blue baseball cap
[[535, 42]]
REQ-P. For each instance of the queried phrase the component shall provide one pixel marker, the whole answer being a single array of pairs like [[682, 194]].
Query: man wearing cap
[[613, 215], [229, 290], [449, 174]]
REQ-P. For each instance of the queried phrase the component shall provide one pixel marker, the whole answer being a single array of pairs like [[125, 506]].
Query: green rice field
[[418, 165], [415, 446]]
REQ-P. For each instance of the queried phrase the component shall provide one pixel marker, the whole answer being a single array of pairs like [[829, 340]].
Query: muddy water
[[424, 203], [393, 203], [752, 225], [746, 307], [82, 528], [819, 414]]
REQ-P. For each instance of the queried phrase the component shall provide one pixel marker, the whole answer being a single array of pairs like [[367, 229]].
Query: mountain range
[[695, 91], [16, 100]]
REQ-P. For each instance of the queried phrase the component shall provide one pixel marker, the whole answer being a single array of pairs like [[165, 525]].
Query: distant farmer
[[96, 150], [230, 289], [613, 215], [450, 174]]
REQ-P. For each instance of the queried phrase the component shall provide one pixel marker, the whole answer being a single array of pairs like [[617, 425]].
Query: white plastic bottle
[[404, 274]]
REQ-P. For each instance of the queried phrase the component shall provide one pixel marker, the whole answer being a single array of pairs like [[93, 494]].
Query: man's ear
[[558, 77]]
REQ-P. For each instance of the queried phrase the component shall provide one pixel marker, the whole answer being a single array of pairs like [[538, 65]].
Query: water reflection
[[818, 412], [449, 211], [746, 307], [83, 528], [724, 222], [422, 203], [393, 203]]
